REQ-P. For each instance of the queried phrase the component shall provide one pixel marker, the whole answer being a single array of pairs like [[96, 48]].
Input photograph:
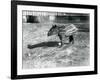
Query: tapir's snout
[[49, 34]]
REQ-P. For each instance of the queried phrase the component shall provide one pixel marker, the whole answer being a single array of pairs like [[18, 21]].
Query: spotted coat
[[64, 32]]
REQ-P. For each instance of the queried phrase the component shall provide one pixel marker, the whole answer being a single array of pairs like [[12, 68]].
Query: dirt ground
[[41, 51]]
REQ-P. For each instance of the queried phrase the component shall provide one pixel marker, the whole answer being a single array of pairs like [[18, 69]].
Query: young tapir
[[63, 32]]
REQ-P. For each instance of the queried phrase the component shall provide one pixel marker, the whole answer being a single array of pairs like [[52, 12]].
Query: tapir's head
[[53, 30]]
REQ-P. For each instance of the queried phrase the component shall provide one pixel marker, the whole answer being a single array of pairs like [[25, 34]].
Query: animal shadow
[[44, 44]]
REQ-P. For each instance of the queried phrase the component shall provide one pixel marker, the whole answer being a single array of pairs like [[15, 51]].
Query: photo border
[[14, 56]]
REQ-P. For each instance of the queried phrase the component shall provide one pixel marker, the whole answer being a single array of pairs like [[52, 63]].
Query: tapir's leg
[[71, 39], [60, 37]]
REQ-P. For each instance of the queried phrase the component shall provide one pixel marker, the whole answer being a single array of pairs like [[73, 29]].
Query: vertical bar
[[13, 39]]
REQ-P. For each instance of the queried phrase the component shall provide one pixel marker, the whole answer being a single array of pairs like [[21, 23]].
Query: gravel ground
[[41, 51]]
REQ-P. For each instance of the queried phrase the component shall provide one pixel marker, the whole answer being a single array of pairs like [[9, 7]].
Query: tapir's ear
[[55, 26]]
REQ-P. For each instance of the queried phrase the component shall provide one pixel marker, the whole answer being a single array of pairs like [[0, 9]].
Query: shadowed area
[[44, 44]]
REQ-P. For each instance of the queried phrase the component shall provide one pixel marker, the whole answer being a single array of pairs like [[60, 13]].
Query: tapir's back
[[68, 29]]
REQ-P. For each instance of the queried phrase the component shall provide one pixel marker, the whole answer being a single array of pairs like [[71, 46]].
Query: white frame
[[20, 8]]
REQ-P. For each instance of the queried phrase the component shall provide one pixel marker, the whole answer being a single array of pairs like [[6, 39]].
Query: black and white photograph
[[53, 39]]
